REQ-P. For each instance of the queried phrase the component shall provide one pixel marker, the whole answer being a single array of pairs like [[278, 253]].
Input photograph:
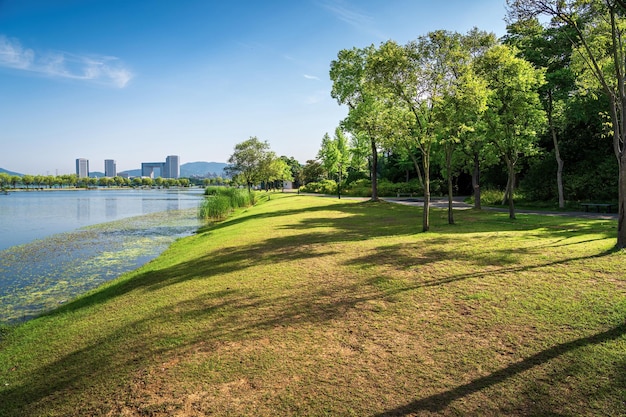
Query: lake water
[[29, 215], [56, 245]]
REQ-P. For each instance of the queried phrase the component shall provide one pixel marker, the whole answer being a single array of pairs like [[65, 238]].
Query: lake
[[56, 245]]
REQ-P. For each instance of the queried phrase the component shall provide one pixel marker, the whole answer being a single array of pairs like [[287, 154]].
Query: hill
[[202, 169], [10, 172], [315, 306]]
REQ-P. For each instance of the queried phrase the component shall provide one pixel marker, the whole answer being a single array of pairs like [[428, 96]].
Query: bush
[[491, 197], [321, 187], [359, 188]]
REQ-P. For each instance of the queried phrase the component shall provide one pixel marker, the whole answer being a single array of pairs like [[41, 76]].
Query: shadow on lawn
[[114, 365], [355, 224], [225, 313], [439, 402]]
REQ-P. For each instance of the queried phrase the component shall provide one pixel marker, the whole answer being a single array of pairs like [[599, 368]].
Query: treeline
[[73, 181], [538, 113]]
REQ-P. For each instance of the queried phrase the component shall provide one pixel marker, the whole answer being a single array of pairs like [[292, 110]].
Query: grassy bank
[[317, 306]]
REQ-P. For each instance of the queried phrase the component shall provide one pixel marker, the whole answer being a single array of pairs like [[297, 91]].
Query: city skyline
[[168, 169], [136, 77]]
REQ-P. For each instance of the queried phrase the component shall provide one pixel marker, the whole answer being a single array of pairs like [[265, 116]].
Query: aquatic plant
[[222, 201]]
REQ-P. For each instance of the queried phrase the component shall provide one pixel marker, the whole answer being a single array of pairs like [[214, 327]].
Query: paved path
[[458, 203]]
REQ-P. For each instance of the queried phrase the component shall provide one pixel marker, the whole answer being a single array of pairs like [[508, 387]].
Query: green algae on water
[[43, 274]]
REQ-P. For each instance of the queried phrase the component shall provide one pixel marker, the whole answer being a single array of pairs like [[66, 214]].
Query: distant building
[[168, 169], [82, 168], [110, 169], [172, 167]]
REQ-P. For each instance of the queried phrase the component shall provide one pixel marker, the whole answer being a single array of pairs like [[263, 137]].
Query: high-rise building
[[109, 168], [172, 167], [168, 169], [82, 168]]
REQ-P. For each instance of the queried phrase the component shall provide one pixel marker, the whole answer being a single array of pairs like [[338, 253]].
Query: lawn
[[309, 306]]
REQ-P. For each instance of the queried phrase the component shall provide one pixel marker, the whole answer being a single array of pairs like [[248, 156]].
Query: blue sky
[[137, 80]]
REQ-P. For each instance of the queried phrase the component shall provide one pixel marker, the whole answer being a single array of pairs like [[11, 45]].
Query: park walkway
[[458, 203]]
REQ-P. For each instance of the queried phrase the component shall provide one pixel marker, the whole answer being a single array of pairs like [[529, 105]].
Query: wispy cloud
[[349, 14], [97, 69], [311, 77], [346, 13]]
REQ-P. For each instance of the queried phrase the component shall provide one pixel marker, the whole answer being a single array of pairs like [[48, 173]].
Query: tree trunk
[[450, 188], [374, 170], [476, 182], [426, 215], [505, 197], [557, 153], [417, 168], [621, 221], [510, 185]]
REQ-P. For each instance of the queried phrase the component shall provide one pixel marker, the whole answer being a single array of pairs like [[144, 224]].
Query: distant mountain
[[202, 169], [131, 172], [10, 172]]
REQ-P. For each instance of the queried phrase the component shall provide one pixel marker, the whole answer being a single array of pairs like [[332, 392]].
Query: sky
[[138, 80]]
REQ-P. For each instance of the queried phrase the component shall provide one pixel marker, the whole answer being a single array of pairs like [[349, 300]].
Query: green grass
[[317, 306]]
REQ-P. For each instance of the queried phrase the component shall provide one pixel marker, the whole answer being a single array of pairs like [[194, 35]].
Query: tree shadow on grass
[[112, 365], [439, 402]]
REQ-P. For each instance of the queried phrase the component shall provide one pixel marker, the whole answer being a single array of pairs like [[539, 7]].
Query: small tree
[[514, 113], [247, 160]]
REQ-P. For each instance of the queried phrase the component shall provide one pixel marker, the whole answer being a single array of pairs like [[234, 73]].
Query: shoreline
[[48, 272]]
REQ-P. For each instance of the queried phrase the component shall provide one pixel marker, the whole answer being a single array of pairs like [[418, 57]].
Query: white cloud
[[311, 77], [97, 69], [12, 55]]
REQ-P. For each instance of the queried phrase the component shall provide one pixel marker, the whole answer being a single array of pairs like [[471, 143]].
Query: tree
[[247, 161], [514, 113], [549, 48], [328, 155], [414, 77], [5, 180], [464, 97], [599, 28], [312, 171], [352, 87], [295, 170], [28, 180]]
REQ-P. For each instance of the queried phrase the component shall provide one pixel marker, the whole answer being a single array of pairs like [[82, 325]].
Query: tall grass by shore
[[311, 306], [220, 202]]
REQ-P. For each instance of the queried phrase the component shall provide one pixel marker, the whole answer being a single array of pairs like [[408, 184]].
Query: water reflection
[[29, 215]]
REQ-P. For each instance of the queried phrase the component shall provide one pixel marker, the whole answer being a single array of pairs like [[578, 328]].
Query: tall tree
[[247, 161], [551, 49], [464, 98], [352, 88], [415, 75], [514, 113], [600, 28]]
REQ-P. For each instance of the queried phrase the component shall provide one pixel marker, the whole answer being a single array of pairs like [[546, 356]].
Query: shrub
[[491, 197], [321, 187]]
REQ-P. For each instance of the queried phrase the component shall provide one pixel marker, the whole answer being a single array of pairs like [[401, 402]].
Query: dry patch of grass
[[314, 306]]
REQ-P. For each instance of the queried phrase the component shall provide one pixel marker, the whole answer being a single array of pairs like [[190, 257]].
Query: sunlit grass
[[319, 306]]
